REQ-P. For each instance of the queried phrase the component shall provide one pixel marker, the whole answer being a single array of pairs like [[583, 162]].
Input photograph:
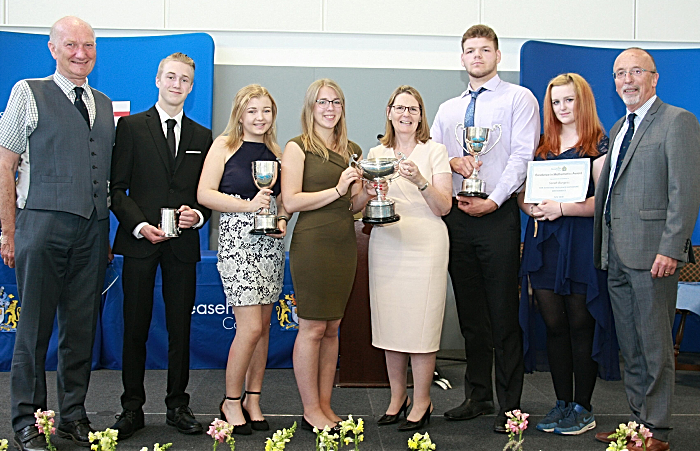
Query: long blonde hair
[[234, 129], [314, 143]]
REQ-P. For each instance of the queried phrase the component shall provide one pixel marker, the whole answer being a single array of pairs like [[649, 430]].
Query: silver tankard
[[169, 218]]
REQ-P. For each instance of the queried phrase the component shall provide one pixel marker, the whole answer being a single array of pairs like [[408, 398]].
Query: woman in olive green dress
[[320, 185]]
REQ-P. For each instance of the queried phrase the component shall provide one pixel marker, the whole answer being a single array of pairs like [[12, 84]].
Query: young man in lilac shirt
[[485, 232]]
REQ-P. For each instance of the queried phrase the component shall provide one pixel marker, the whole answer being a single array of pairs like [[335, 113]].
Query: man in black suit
[[158, 156]]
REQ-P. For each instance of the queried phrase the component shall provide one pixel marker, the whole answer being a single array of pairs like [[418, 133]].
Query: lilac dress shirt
[[516, 109]]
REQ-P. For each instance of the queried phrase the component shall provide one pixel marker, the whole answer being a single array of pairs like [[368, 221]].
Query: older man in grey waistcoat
[[55, 224]]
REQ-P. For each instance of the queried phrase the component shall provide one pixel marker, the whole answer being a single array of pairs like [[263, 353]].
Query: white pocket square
[[193, 151]]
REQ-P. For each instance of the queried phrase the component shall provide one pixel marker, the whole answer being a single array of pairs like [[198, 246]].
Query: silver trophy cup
[[473, 140], [265, 176], [169, 218], [376, 171]]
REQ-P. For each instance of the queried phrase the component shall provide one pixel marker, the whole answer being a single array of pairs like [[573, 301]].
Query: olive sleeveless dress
[[323, 251]]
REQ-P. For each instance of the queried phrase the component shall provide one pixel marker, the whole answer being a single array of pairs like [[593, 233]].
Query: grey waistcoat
[[69, 163]]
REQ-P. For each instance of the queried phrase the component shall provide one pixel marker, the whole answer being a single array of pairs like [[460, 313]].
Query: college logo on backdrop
[[287, 312], [9, 312]]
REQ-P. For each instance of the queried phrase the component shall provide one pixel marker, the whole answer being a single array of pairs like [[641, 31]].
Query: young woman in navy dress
[[251, 266], [557, 265]]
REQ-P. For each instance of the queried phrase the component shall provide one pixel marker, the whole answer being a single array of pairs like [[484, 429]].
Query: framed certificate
[[559, 180]]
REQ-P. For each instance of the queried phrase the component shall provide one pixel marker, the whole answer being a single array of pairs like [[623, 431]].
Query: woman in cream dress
[[408, 259]]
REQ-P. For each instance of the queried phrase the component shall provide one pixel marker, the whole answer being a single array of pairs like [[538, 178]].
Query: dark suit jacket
[[143, 166], [656, 196]]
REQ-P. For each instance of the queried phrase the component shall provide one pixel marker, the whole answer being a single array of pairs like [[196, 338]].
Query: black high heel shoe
[[393, 419], [309, 427], [257, 425], [415, 425], [240, 429]]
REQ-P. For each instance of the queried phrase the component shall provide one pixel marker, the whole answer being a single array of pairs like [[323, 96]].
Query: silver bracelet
[[424, 187]]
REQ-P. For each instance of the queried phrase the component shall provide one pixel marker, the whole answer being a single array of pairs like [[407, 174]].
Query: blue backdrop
[[678, 78], [678, 85], [125, 71]]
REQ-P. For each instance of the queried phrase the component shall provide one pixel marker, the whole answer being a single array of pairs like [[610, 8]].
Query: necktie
[[469, 115], [80, 105], [171, 135], [626, 140]]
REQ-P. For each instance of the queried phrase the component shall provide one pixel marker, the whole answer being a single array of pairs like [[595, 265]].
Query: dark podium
[[360, 364]]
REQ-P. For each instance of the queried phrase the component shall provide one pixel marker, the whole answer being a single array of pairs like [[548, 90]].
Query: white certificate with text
[[559, 180]]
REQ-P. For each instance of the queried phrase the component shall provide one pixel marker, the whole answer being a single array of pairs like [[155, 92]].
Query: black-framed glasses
[[635, 72], [414, 110], [325, 102]]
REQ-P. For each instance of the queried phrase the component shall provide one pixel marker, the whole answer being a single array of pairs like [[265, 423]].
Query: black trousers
[[484, 262], [61, 260], [179, 282]]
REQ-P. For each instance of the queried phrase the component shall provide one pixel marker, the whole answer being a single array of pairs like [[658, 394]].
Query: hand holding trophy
[[265, 177], [473, 140], [376, 171]]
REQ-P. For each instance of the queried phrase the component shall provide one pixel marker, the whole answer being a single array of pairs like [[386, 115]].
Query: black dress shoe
[[393, 419], [29, 439], [470, 409], [183, 420], [499, 425], [128, 422], [415, 425], [77, 431]]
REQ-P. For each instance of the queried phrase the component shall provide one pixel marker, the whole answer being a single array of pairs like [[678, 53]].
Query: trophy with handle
[[474, 140], [265, 176], [376, 171], [169, 218]]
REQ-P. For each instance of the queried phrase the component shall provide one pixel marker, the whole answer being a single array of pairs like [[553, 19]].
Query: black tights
[[570, 329]]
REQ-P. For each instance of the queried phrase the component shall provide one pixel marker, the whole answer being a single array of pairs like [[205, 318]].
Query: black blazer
[[143, 166]]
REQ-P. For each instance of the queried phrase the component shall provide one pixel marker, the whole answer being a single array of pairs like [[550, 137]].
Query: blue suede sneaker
[[553, 418], [577, 421]]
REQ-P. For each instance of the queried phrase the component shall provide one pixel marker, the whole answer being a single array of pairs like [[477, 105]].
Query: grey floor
[[282, 406]]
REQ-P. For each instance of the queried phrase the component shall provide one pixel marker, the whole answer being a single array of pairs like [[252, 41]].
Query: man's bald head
[[67, 23]]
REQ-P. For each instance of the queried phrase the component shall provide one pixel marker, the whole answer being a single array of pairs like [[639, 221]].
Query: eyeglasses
[[414, 110], [635, 72], [324, 103]]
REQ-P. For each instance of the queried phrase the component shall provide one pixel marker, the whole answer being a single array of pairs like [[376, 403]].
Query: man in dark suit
[[647, 202], [55, 228], [158, 156]]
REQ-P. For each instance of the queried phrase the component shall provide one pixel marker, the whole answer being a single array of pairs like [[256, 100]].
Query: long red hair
[[588, 127]]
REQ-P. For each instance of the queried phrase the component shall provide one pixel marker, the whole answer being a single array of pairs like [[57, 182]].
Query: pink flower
[[513, 426]]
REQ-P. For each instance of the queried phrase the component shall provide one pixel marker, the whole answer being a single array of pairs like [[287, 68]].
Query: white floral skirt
[[251, 266]]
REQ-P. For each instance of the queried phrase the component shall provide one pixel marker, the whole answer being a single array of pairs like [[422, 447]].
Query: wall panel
[[129, 14], [261, 15], [550, 19], [677, 20], [441, 17]]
